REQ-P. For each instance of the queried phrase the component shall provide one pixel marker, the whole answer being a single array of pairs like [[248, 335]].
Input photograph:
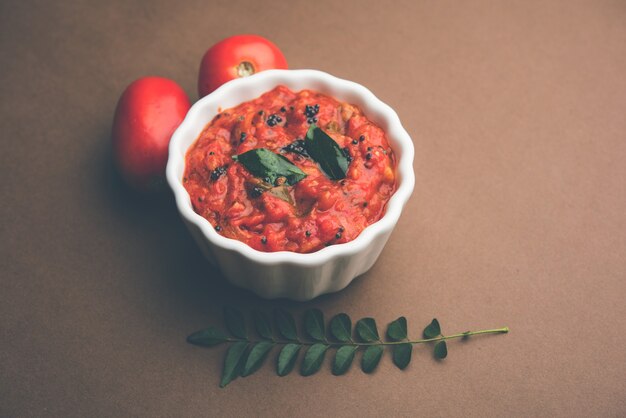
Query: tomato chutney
[[316, 211]]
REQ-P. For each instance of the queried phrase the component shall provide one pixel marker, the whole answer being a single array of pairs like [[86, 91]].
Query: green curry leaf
[[343, 359], [402, 355], [235, 322], [286, 324], [246, 354], [366, 329], [326, 152], [207, 337], [234, 361], [433, 329], [441, 350], [256, 357], [267, 165], [313, 359], [314, 324], [371, 358], [341, 327], [262, 325], [397, 330], [287, 359]]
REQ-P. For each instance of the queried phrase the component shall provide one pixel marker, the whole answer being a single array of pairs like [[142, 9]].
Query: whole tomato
[[148, 112], [237, 56]]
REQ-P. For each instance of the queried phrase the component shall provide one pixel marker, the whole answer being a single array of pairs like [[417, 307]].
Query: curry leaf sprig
[[270, 166], [247, 355], [326, 152], [276, 170]]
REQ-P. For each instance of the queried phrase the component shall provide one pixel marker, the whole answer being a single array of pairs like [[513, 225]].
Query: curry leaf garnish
[[402, 355], [247, 355], [256, 357], [366, 329], [341, 327], [286, 324], [233, 363], [235, 322], [433, 329], [343, 359], [281, 192], [207, 337], [313, 359], [326, 152], [262, 325], [287, 359], [441, 350], [265, 164], [371, 358], [396, 330], [314, 324]]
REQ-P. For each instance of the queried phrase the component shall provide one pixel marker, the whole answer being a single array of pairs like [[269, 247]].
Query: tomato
[[237, 56], [147, 113]]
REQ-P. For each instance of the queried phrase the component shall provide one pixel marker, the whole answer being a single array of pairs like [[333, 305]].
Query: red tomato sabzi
[[318, 211]]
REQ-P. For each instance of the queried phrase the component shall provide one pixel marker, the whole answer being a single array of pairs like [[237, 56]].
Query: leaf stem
[[503, 330], [466, 334]]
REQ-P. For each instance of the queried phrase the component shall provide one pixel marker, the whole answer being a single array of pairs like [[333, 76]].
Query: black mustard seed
[[273, 120]]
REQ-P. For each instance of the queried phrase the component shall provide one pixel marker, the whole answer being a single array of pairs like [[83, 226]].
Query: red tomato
[[237, 56], [147, 114]]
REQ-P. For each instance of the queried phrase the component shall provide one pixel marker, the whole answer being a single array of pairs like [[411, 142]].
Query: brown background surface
[[517, 111]]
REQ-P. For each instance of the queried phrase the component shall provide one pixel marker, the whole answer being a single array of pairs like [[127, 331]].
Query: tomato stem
[[245, 68]]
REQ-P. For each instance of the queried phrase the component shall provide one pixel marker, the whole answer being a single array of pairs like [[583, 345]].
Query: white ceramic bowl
[[288, 274]]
